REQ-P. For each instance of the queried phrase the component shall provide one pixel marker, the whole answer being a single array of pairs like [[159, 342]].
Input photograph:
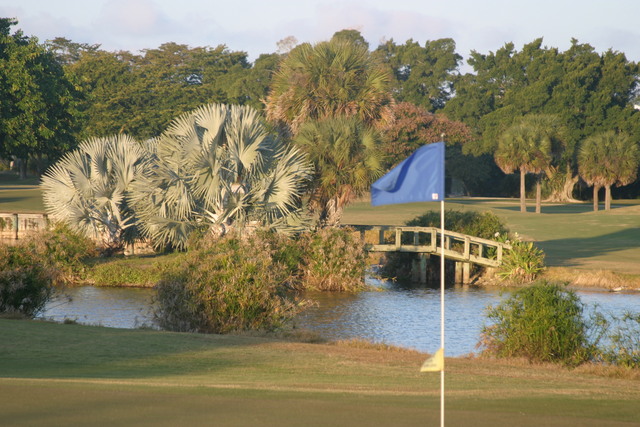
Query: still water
[[403, 316]]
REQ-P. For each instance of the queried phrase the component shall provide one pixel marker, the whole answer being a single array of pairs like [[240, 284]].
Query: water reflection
[[110, 307], [403, 316], [406, 317]]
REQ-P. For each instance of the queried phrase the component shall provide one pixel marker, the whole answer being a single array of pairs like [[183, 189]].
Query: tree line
[[400, 96]]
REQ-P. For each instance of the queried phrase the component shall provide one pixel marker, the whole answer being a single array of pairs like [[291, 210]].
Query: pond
[[397, 315]]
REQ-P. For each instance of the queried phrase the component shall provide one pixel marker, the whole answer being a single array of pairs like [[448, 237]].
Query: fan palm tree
[[217, 166], [329, 79], [607, 159], [528, 146], [89, 188], [346, 159]]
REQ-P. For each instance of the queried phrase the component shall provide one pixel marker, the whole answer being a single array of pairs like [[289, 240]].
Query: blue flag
[[418, 178]]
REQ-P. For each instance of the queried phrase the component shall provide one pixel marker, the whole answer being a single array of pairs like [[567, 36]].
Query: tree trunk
[[331, 214], [22, 168], [538, 193], [596, 189], [523, 202], [565, 194], [607, 197]]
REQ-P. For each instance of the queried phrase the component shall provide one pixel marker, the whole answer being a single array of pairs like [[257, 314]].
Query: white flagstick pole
[[442, 307]]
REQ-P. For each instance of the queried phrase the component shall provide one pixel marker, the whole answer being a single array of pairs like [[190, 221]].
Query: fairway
[[53, 374]]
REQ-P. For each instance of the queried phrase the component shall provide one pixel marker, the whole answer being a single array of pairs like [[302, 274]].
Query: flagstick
[[442, 308]]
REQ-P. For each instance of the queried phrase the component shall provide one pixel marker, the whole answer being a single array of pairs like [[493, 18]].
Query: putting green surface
[[52, 374]]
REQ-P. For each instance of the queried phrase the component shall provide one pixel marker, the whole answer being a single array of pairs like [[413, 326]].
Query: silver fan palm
[[215, 166], [89, 188]]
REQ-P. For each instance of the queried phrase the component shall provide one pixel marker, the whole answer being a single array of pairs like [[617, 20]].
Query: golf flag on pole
[[418, 178], [435, 363]]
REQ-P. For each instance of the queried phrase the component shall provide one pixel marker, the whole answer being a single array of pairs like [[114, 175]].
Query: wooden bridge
[[464, 249]]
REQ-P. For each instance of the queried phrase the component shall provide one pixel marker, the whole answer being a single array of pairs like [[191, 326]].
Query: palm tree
[[217, 166], [529, 146], [89, 189], [338, 78], [606, 159], [346, 158]]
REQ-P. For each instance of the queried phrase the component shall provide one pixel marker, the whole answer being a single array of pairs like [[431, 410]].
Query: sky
[[256, 26]]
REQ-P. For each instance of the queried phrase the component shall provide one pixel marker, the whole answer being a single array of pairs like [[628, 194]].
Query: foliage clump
[[30, 270], [333, 260], [227, 285], [26, 284], [543, 323], [522, 263]]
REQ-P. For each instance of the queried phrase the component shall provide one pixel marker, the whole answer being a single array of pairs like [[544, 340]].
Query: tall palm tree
[[529, 146], [89, 189], [217, 166], [329, 79], [607, 159], [346, 158]]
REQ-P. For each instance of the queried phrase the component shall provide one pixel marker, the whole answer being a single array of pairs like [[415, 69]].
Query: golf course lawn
[[68, 374]]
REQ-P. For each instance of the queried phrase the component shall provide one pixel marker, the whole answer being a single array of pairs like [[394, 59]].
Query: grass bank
[[55, 374]]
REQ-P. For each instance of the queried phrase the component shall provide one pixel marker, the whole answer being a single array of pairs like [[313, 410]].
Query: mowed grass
[[571, 235], [19, 196], [56, 374]]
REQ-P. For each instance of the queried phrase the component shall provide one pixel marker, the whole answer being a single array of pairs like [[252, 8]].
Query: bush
[[479, 224], [333, 259], [227, 285], [26, 284], [64, 250], [522, 263], [543, 323]]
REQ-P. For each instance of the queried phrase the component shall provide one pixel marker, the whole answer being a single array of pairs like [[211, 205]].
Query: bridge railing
[[14, 226], [457, 246]]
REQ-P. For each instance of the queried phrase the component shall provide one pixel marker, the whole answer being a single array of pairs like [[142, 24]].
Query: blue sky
[[255, 26]]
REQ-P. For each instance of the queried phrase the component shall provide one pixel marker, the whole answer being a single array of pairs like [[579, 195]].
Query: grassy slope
[[572, 236], [53, 374]]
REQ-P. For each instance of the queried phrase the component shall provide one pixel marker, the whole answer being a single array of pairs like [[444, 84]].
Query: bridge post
[[16, 226], [463, 272]]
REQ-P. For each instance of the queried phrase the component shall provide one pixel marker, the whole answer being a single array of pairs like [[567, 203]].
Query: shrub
[[522, 263], [62, 249], [333, 259], [479, 224], [543, 323], [227, 285], [26, 284]]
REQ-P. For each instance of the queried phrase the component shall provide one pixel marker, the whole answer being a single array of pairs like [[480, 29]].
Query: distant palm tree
[[607, 159], [89, 189], [217, 166], [338, 78], [346, 158], [528, 146]]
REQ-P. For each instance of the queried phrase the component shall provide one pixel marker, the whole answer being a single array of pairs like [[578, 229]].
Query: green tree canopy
[[423, 75], [347, 159], [37, 101], [337, 78]]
